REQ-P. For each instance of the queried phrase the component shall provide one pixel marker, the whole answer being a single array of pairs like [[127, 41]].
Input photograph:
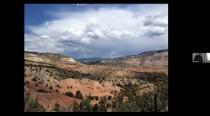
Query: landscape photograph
[[96, 57]]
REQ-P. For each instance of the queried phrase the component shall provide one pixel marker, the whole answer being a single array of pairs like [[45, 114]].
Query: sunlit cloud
[[103, 32]]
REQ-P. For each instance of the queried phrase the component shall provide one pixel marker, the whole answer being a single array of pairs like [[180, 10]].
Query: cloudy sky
[[96, 30]]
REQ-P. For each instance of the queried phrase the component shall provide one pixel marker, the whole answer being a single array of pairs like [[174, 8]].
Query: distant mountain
[[153, 52], [93, 59], [157, 58]]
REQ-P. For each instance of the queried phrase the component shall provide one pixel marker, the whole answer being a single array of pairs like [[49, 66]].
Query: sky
[[95, 30]]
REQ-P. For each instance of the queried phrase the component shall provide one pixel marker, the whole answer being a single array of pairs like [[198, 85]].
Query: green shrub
[[51, 88], [84, 106], [108, 105], [57, 107], [95, 108], [34, 79], [41, 90], [109, 97], [32, 105], [78, 94], [97, 98], [70, 94], [57, 90]]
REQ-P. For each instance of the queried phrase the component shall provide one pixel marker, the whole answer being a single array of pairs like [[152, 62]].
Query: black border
[[97, 1]]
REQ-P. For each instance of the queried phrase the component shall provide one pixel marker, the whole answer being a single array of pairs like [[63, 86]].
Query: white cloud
[[105, 32]]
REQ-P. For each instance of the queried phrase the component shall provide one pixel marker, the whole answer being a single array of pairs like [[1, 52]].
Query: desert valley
[[57, 83]]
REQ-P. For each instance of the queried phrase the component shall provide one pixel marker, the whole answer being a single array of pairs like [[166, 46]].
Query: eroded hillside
[[60, 83]]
